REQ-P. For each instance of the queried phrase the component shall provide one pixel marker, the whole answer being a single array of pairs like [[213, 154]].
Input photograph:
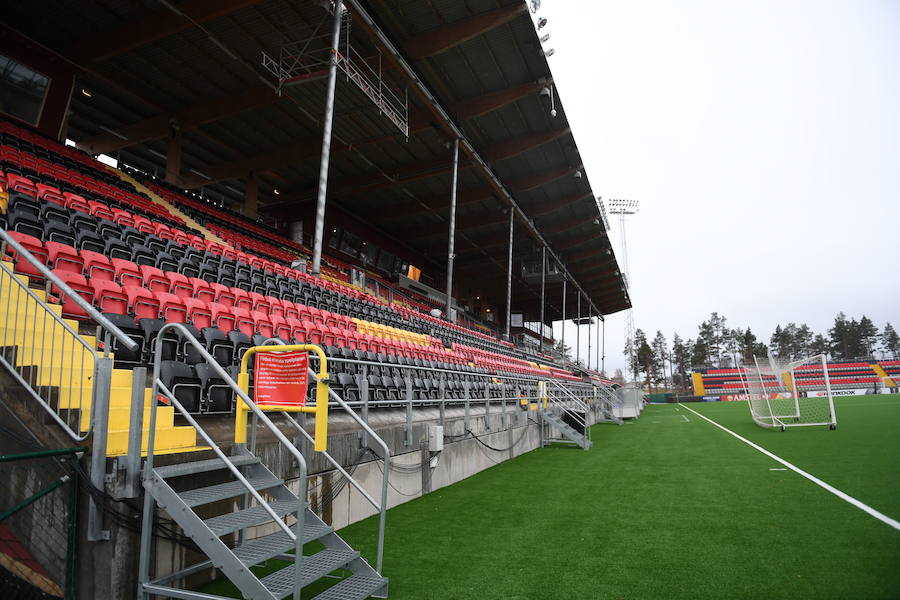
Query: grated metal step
[[357, 587], [213, 493], [281, 583], [257, 515], [202, 466], [269, 546]]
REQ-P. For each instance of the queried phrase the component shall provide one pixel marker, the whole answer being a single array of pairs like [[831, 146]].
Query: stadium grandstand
[[200, 199], [846, 378]]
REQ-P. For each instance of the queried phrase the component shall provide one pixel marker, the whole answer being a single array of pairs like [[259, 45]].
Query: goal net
[[786, 393]]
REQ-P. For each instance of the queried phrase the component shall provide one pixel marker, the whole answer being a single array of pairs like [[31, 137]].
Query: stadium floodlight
[[535, 5], [545, 37], [542, 22], [547, 53], [784, 393]]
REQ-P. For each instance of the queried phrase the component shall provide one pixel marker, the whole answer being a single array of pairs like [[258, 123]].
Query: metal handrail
[[28, 385], [86, 306], [296, 535], [578, 403]]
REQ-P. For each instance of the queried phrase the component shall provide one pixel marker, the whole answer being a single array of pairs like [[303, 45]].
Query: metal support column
[[543, 284], [452, 236], [564, 314], [326, 139], [603, 362], [578, 332], [602, 345], [512, 215], [588, 363]]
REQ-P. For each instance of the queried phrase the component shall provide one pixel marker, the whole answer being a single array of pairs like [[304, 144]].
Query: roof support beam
[[586, 254], [576, 240], [157, 127], [482, 105], [150, 28], [465, 225], [267, 161], [515, 147], [565, 224], [545, 208], [444, 38]]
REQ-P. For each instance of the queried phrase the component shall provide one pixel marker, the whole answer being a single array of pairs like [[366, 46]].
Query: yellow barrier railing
[[320, 409]]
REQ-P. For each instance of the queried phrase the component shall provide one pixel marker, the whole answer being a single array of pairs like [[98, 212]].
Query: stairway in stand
[[56, 365], [169, 207], [355, 578], [569, 433]]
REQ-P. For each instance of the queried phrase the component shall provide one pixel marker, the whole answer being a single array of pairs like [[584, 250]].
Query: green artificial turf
[[667, 506]]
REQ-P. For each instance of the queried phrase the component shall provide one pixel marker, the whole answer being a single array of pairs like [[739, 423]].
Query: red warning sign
[[280, 378]]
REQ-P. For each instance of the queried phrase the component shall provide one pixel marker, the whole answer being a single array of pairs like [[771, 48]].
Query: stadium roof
[[471, 70]]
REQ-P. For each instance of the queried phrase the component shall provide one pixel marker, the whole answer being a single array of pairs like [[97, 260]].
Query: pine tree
[[643, 356], [819, 345], [681, 359], [868, 334], [838, 336], [890, 341], [660, 355]]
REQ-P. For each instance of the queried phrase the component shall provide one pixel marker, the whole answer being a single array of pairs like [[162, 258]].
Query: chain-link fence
[[38, 517]]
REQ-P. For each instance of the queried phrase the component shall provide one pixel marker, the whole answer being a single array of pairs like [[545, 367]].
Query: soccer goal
[[780, 392]]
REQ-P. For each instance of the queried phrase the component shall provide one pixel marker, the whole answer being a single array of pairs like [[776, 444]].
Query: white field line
[[845, 497], [686, 420]]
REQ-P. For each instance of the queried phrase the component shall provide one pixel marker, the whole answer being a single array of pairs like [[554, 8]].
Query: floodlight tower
[[625, 208]]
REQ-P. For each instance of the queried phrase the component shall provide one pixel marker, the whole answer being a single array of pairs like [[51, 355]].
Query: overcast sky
[[762, 139]]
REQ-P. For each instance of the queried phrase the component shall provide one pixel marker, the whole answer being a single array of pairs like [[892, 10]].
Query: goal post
[[783, 393]]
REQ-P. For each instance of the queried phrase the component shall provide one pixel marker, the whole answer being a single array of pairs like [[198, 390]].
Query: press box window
[[22, 90]]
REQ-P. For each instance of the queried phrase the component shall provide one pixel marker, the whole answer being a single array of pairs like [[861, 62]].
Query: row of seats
[[145, 272]]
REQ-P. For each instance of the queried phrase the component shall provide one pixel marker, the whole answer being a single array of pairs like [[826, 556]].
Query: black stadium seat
[[181, 380]]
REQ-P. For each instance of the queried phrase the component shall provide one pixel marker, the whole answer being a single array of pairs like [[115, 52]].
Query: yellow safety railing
[[320, 409]]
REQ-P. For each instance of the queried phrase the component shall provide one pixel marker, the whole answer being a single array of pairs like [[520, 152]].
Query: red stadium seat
[[262, 323], [63, 257], [123, 217], [222, 317], [76, 202], [100, 210], [243, 321], [172, 309], [201, 290], [260, 303], [179, 285], [282, 329], [242, 299], [198, 313], [127, 273], [223, 294], [298, 331], [17, 183], [142, 303], [34, 246], [154, 279], [50, 194], [97, 266], [109, 297], [79, 284]]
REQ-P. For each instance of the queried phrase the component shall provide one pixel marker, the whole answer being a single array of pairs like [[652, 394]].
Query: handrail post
[[103, 377], [135, 429], [409, 401], [364, 397]]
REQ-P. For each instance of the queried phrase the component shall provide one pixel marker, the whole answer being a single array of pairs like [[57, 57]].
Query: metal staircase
[[563, 412], [235, 562], [244, 515], [569, 433]]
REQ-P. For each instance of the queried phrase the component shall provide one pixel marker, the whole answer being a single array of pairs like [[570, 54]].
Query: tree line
[[719, 346]]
